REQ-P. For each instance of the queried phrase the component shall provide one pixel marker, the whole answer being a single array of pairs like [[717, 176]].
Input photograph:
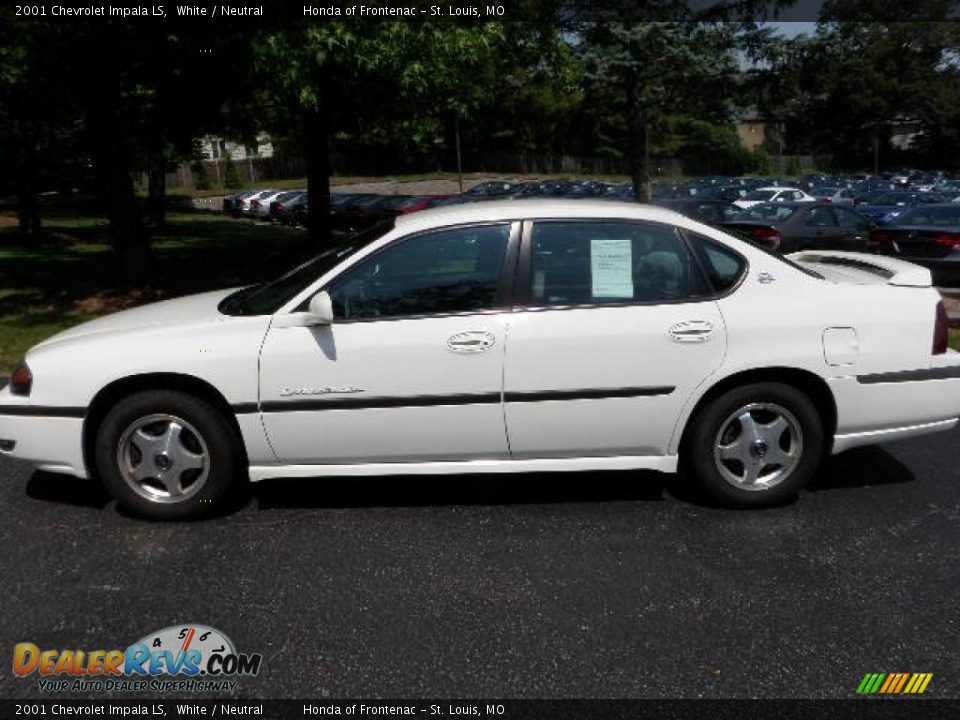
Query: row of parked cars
[[354, 211], [911, 215]]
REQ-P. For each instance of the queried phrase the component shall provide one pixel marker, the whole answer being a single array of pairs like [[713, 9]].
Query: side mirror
[[320, 309]]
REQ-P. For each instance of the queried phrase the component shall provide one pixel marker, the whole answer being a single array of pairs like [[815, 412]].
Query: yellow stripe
[[903, 679], [926, 681], [886, 684], [914, 681]]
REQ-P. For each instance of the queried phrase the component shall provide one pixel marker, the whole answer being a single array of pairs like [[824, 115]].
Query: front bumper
[[50, 442]]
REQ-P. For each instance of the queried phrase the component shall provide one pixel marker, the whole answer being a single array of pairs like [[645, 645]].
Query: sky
[[792, 29]]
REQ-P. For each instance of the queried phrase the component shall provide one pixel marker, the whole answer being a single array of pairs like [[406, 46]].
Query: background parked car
[[772, 194], [243, 207], [711, 212], [230, 202], [834, 194], [260, 206], [884, 207], [281, 207], [788, 227], [928, 235]]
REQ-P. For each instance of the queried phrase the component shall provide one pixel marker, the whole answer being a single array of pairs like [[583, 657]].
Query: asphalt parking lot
[[603, 585]]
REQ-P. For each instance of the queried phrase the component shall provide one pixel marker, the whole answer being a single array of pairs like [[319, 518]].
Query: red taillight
[[948, 240], [878, 238], [940, 330], [768, 235], [21, 380]]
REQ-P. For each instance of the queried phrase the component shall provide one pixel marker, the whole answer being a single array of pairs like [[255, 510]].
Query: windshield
[[269, 297], [759, 195]]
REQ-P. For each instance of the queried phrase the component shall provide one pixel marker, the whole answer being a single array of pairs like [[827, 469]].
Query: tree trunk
[[157, 192], [317, 133], [639, 160], [129, 239], [28, 207]]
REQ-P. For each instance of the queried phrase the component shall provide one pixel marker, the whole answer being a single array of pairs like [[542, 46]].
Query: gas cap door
[[840, 346]]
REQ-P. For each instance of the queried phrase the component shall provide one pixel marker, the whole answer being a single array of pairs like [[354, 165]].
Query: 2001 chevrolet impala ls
[[498, 337]]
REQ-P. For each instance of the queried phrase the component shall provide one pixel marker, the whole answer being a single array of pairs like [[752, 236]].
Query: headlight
[[21, 380]]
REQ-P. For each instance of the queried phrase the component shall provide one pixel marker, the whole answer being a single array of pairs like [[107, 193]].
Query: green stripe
[[879, 681], [863, 683]]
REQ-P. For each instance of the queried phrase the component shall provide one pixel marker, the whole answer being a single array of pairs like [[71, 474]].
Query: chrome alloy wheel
[[163, 458], [758, 446]]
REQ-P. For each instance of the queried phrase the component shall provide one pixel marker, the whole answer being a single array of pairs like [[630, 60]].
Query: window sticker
[[611, 269]]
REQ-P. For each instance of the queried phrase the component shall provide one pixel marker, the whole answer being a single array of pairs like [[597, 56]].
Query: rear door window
[[602, 262]]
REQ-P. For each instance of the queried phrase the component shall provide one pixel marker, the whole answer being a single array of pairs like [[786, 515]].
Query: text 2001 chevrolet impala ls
[[498, 337]]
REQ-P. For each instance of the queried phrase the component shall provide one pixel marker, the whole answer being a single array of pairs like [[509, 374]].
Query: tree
[[35, 113], [853, 84], [639, 71], [337, 76]]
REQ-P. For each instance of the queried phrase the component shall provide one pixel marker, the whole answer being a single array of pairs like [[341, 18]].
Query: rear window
[[723, 266], [767, 212], [939, 216]]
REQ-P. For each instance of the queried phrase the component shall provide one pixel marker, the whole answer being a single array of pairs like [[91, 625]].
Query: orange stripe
[[890, 678], [903, 679]]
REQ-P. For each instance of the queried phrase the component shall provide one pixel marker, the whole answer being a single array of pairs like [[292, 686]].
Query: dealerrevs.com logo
[[181, 657]]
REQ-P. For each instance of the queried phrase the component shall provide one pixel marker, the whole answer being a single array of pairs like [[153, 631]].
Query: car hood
[[191, 308]]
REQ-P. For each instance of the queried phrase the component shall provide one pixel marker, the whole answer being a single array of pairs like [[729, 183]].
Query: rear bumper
[[51, 443], [891, 406]]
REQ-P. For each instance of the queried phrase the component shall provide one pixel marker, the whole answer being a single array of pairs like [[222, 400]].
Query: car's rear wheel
[[168, 455], [755, 445]]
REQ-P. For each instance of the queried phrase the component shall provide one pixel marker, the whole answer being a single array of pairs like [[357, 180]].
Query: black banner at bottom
[[874, 708]]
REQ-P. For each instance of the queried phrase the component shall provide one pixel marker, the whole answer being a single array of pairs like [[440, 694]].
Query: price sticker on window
[[611, 269]]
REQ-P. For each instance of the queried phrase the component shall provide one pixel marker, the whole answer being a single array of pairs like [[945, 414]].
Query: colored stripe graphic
[[894, 683]]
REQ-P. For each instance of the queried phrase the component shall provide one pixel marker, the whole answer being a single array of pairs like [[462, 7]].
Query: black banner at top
[[567, 11]]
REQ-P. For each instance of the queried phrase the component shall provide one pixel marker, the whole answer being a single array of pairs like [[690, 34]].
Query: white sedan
[[773, 194], [498, 337]]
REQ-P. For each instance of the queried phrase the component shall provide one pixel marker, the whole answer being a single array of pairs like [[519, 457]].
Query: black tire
[[208, 435], [698, 457]]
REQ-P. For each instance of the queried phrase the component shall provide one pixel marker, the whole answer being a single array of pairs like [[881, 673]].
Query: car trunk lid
[[862, 269]]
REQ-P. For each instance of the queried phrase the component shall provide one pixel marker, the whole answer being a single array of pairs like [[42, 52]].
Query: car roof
[[527, 209], [776, 187]]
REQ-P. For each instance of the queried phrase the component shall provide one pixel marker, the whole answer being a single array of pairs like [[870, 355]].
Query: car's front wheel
[[168, 455], [755, 445]]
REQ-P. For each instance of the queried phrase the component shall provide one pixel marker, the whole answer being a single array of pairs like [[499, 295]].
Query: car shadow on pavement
[[66, 490], [495, 489], [860, 467]]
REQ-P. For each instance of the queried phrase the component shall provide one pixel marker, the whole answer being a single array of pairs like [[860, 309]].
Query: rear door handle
[[691, 331], [472, 341]]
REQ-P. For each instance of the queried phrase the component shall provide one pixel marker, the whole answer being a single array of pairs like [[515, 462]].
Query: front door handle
[[691, 331], [472, 341]]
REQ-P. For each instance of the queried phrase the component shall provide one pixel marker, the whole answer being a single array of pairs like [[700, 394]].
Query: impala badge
[[288, 391]]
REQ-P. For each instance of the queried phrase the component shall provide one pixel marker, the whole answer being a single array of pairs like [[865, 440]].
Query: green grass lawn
[[69, 275]]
